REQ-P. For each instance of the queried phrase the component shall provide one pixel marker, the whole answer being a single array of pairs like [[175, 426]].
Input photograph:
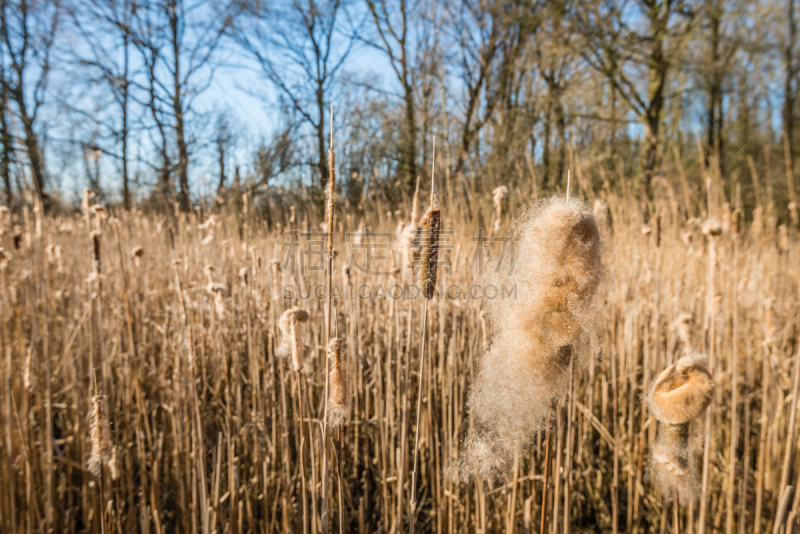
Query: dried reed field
[[189, 373]]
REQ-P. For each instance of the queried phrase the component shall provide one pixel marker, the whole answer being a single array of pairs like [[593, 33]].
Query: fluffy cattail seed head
[[290, 325], [525, 368], [100, 436], [683, 391], [338, 407], [678, 398]]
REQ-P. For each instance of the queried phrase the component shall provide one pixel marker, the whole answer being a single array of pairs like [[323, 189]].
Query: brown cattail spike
[[100, 435], [430, 247], [430, 252], [95, 234]]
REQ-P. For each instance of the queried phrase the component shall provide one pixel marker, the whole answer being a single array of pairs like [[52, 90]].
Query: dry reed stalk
[[734, 432], [713, 230]]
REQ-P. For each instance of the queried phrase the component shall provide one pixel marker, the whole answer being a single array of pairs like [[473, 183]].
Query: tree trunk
[[177, 106], [561, 129], [658, 77], [322, 164], [714, 113], [409, 165], [788, 105], [126, 193], [221, 185], [548, 121], [650, 153], [6, 152], [32, 146]]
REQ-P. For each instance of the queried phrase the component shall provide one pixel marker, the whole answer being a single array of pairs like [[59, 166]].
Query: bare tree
[[178, 51], [107, 63], [629, 41], [300, 49], [478, 34], [222, 140], [394, 40], [28, 33]]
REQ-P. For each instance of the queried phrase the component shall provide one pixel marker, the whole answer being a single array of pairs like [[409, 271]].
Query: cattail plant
[[95, 274], [427, 278], [209, 227], [102, 449], [525, 369], [137, 253], [678, 398], [499, 194], [292, 344], [406, 242], [212, 286], [338, 406], [334, 378], [100, 436], [86, 204]]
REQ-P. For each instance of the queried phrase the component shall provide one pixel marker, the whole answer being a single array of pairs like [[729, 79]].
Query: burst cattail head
[[290, 325], [712, 228], [100, 436], [499, 194], [678, 398], [683, 391], [525, 369], [338, 406], [5, 257], [99, 211], [137, 253]]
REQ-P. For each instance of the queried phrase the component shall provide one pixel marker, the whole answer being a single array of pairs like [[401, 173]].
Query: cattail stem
[[543, 522], [413, 500], [330, 205]]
